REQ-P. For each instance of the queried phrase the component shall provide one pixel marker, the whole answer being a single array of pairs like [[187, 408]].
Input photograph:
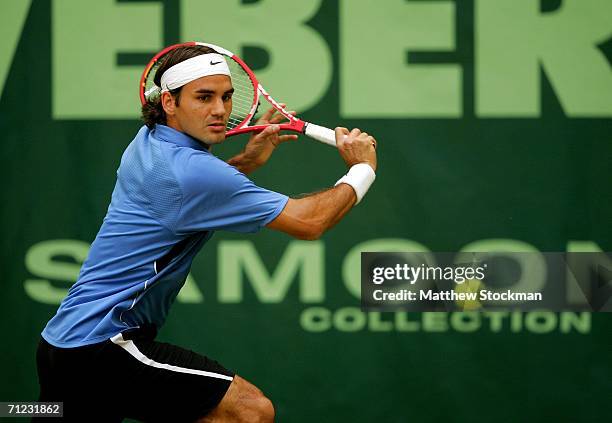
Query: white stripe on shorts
[[130, 347]]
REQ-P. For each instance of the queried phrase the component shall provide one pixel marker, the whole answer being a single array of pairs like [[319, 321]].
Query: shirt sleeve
[[216, 196]]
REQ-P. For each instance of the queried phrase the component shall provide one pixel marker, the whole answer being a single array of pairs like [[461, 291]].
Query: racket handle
[[320, 133]]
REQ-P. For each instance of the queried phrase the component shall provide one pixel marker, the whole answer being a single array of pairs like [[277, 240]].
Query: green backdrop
[[493, 119]]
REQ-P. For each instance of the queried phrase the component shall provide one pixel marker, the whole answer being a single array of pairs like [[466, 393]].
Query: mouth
[[216, 126]]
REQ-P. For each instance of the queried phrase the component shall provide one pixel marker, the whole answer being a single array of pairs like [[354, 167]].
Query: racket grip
[[320, 133]]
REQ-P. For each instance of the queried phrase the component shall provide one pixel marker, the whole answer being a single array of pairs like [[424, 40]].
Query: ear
[[168, 103]]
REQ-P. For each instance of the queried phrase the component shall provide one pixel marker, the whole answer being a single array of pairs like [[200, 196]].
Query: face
[[203, 110]]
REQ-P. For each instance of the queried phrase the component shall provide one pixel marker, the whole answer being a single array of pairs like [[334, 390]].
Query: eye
[[204, 97], [227, 97]]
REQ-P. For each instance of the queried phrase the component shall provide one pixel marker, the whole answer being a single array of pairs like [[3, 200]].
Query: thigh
[[72, 376], [165, 382], [137, 378]]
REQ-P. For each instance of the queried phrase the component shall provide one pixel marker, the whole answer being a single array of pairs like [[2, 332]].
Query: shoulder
[[199, 170]]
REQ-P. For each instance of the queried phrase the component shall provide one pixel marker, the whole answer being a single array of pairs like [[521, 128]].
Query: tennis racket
[[245, 100]]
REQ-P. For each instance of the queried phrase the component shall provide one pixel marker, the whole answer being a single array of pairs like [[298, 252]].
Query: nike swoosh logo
[[214, 63]]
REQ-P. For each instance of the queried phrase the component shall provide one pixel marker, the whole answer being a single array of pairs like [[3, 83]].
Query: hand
[[261, 145], [356, 147]]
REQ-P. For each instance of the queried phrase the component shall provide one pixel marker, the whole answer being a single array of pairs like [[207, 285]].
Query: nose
[[218, 108]]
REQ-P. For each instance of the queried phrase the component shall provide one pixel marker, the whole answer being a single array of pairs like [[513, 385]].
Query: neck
[[171, 122]]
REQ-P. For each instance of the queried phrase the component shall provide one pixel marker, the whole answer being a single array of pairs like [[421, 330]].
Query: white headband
[[192, 69]]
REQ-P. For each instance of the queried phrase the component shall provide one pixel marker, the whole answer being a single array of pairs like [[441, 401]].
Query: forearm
[[309, 217], [334, 205]]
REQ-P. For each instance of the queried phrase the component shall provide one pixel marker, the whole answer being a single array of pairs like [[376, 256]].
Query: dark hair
[[152, 111]]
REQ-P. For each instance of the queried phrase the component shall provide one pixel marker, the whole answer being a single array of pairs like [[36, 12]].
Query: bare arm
[[311, 216]]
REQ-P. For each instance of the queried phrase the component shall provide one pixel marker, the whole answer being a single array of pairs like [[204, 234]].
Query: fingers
[[274, 116], [367, 138], [356, 147], [341, 134], [272, 134], [268, 131], [354, 139], [362, 137], [277, 118], [284, 138], [277, 138], [267, 115], [370, 141]]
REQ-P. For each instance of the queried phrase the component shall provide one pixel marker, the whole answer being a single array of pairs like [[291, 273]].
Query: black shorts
[[130, 376]]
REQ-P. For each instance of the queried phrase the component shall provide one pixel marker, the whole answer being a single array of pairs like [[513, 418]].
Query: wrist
[[372, 165], [360, 177]]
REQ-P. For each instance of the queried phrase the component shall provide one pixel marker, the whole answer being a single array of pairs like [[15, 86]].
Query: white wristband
[[360, 177]]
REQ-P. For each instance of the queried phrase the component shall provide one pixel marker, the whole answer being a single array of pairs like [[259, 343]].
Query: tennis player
[[98, 354]]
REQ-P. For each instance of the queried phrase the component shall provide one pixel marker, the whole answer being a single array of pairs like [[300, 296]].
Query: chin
[[215, 139], [211, 138]]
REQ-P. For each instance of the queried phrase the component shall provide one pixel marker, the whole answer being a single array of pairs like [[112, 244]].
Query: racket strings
[[151, 90], [243, 97]]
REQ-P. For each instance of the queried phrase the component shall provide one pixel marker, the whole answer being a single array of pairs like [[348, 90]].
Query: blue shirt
[[171, 195]]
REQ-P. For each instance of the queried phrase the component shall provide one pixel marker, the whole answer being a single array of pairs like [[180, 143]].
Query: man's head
[[199, 108]]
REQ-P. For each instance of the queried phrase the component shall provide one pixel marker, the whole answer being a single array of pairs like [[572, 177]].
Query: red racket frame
[[295, 124]]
